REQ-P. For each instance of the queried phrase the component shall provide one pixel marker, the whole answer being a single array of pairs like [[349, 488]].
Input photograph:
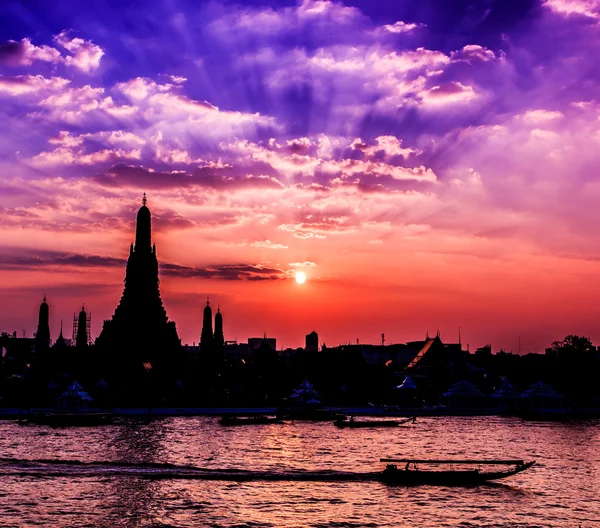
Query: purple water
[[563, 489]]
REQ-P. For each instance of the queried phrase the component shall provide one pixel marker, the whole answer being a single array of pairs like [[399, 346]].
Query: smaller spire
[[44, 297], [207, 303], [61, 328], [144, 200], [218, 308]]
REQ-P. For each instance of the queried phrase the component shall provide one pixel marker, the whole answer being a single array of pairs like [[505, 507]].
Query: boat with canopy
[[343, 422], [444, 472], [232, 420]]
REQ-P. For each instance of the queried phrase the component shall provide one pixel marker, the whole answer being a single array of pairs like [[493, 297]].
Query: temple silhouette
[[139, 338]]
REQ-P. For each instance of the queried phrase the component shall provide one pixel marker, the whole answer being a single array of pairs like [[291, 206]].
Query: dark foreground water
[[563, 489]]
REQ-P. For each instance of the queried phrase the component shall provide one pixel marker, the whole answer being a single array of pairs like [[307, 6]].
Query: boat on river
[[411, 474], [343, 422], [72, 418], [249, 420], [392, 475]]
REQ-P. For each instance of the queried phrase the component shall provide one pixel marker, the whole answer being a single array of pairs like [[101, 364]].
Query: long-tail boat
[[249, 420], [352, 423], [411, 475]]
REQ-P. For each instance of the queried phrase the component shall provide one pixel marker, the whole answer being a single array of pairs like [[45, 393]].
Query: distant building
[[42, 336], [312, 342], [81, 329], [255, 342], [206, 337], [218, 338]]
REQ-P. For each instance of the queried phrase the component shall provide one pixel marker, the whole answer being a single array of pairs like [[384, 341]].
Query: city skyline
[[426, 168]]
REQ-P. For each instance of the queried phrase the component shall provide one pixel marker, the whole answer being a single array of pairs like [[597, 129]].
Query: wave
[[57, 468]]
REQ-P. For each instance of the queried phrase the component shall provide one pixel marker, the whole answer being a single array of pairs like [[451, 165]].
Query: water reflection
[[131, 501], [562, 490]]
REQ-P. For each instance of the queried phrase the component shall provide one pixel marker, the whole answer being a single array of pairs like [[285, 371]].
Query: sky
[[429, 164]]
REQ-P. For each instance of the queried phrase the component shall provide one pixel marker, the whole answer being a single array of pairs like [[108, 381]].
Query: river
[[562, 489]]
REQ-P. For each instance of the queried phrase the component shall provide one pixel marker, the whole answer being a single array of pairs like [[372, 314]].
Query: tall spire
[[139, 331], [82, 336], [206, 337], [218, 339], [143, 229], [42, 336]]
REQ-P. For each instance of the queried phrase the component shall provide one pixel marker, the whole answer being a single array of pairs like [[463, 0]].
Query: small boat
[[249, 420], [308, 414], [410, 475], [65, 418], [343, 422]]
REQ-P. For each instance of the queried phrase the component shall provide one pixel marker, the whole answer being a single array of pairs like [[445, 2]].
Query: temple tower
[[218, 339], [42, 336], [206, 337], [140, 338], [82, 329]]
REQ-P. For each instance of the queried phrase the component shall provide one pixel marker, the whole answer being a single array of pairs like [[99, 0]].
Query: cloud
[[122, 175], [305, 264], [388, 145], [28, 260], [267, 244], [68, 156], [586, 8], [24, 53], [321, 17], [229, 272], [537, 117], [448, 93], [288, 161], [85, 55], [400, 27], [31, 84], [162, 103]]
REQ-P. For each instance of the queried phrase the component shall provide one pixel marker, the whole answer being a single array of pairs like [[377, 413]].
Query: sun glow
[[300, 277]]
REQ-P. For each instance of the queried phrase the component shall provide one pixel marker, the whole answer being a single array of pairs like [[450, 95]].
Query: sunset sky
[[428, 164]]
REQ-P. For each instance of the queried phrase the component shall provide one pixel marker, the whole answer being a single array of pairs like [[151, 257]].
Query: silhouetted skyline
[[426, 168]]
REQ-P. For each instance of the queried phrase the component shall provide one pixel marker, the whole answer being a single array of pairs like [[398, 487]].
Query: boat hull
[[257, 420], [66, 419], [398, 477], [359, 425]]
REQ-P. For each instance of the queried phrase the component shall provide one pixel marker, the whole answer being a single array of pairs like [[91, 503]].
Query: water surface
[[563, 489]]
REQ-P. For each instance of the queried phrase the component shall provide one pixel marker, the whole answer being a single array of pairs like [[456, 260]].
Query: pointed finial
[[144, 200], [218, 308], [61, 327], [82, 307], [207, 303], [44, 297]]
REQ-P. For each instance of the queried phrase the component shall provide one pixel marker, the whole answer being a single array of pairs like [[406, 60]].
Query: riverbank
[[23, 414]]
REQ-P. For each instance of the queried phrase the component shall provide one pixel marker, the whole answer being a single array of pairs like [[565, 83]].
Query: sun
[[300, 277]]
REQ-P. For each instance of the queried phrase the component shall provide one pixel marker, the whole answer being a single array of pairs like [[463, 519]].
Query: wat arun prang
[[139, 345]]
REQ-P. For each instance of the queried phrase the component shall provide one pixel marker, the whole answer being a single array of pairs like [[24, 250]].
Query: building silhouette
[[81, 328], [42, 336], [312, 342], [206, 336], [140, 338], [218, 338], [61, 342]]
